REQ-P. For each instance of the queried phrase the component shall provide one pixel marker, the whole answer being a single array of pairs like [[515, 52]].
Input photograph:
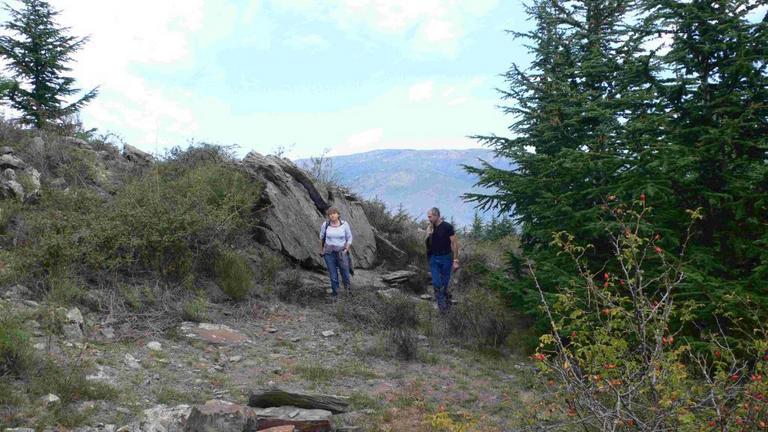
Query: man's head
[[433, 215]]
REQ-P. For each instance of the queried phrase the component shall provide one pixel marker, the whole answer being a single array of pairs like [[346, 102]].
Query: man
[[443, 253]]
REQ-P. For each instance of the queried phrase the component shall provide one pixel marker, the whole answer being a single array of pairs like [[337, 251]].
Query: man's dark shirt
[[439, 243]]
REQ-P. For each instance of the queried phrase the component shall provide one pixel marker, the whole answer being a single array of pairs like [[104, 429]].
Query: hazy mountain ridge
[[417, 179]]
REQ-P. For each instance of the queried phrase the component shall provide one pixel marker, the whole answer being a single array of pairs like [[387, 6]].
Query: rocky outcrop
[[292, 209], [222, 416], [17, 179], [136, 156]]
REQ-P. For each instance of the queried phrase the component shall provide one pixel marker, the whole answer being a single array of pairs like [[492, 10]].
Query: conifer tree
[[576, 111], [37, 51], [716, 147]]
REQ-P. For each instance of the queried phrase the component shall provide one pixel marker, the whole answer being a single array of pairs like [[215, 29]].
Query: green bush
[[399, 312], [359, 310], [292, 289], [16, 354], [481, 318], [400, 229], [196, 309], [234, 274], [168, 224]]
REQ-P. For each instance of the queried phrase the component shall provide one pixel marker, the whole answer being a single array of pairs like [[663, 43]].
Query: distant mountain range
[[415, 179]]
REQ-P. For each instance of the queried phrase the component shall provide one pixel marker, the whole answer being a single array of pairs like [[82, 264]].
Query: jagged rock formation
[[17, 179], [292, 209]]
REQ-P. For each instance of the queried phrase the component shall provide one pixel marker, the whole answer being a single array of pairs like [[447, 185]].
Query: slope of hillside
[[417, 179]]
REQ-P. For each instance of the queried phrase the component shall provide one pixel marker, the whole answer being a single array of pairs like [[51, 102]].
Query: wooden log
[[276, 398]]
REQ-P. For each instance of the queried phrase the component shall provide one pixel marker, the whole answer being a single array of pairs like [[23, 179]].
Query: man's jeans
[[441, 266], [337, 262]]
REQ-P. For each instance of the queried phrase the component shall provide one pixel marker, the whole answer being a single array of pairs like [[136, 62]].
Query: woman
[[335, 240]]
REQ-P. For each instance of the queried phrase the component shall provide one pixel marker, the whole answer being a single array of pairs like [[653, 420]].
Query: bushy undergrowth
[[25, 376], [234, 274], [396, 316], [169, 224], [400, 229], [16, 354], [481, 318]]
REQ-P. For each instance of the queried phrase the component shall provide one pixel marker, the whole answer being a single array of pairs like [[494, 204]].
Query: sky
[[299, 76]]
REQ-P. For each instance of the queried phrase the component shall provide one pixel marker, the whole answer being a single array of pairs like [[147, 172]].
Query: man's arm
[[455, 250]]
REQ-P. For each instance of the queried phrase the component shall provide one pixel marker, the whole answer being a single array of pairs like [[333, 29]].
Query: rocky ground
[[242, 348]]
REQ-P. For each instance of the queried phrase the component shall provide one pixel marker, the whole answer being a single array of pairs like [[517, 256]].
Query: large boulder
[[293, 209]]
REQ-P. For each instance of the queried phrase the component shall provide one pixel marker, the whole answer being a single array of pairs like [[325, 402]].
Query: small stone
[[235, 359], [131, 362], [155, 346], [425, 297], [50, 399], [271, 330], [421, 337], [328, 333], [74, 316], [295, 339], [108, 332], [40, 346], [31, 303]]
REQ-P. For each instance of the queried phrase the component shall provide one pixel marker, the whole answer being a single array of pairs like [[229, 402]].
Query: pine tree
[[37, 50], [716, 147], [577, 113], [476, 230]]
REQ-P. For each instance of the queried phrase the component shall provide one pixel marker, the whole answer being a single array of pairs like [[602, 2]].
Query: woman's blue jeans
[[441, 267], [337, 262]]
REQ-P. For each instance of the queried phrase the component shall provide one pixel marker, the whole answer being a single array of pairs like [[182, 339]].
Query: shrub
[[196, 309], [168, 224], [481, 318], [400, 229], [398, 312], [234, 274], [404, 342], [293, 289], [16, 355], [617, 351], [360, 310]]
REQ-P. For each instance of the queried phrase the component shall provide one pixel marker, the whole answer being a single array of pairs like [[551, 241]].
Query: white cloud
[[360, 142], [310, 42], [421, 91], [439, 30], [457, 101], [427, 26], [123, 35]]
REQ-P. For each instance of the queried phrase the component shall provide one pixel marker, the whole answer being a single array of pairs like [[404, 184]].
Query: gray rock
[[398, 277], [306, 420], [160, 419], [17, 292], [293, 211], [50, 399], [72, 331], [328, 333], [155, 346], [103, 374], [218, 416], [131, 362], [21, 429], [6, 150], [74, 316], [136, 156], [12, 162]]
